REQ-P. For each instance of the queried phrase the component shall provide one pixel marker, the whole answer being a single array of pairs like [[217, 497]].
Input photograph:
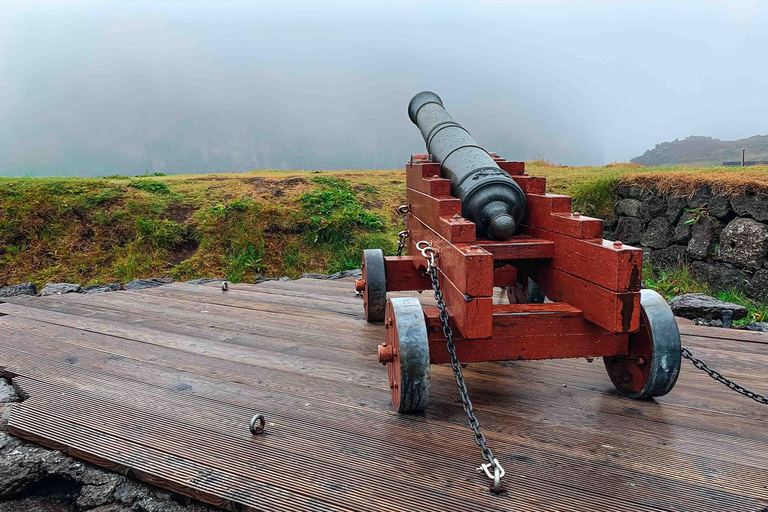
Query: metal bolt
[[456, 216], [473, 246], [436, 176], [640, 361], [576, 214], [617, 244]]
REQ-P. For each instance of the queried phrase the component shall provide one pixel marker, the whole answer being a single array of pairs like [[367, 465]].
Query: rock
[[707, 323], [720, 276], [622, 191], [700, 305], [610, 223], [682, 232], [719, 207], [285, 278], [754, 205], [757, 288], [629, 230], [628, 208], [675, 208], [653, 206], [18, 289], [5, 414], [7, 393], [19, 465], [204, 280], [658, 234], [101, 288], [141, 284], [338, 275], [757, 326], [36, 504], [93, 495], [703, 239], [262, 279], [672, 256], [744, 242], [59, 289], [636, 191], [701, 196]]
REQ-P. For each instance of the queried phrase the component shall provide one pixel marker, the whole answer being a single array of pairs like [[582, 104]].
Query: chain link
[[498, 472], [403, 235], [757, 397]]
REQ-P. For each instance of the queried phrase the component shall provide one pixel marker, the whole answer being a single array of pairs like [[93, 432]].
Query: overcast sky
[[98, 88]]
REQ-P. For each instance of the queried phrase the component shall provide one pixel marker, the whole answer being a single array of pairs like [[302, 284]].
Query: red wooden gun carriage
[[594, 307]]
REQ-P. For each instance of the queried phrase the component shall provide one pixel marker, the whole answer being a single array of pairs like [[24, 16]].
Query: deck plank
[[179, 369]]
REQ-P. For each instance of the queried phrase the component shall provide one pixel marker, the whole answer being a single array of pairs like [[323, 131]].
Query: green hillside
[[705, 151]]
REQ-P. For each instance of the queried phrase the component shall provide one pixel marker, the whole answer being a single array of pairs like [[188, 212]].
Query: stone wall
[[723, 240]]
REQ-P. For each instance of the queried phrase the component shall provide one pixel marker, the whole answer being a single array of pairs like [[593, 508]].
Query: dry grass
[[727, 181]]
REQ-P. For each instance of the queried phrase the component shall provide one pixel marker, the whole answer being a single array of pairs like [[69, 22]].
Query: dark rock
[[682, 232], [262, 279], [675, 208], [672, 256], [701, 197], [622, 191], [628, 208], [610, 222], [754, 205], [18, 289], [59, 289], [629, 230], [285, 278], [152, 282], [744, 242], [703, 239], [204, 280], [7, 393], [94, 495], [757, 326], [758, 285], [658, 234], [708, 323], [719, 207], [700, 305], [101, 288], [720, 276], [36, 504], [637, 192], [653, 206], [338, 275]]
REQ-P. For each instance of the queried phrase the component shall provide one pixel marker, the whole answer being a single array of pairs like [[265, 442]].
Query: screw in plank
[[617, 244]]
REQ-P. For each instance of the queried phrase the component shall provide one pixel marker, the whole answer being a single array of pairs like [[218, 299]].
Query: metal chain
[[498, 472], [403, 235], [757, 397]]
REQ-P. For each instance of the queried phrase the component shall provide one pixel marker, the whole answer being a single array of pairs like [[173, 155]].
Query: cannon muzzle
[[489, 196]]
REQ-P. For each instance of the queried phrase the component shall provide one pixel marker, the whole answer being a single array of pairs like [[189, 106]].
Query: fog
[[92, 89]]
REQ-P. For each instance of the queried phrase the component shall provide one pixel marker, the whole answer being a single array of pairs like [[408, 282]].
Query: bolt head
[[617, 244]]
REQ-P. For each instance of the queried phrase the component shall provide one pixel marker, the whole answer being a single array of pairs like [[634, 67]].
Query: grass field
[[237, 226]]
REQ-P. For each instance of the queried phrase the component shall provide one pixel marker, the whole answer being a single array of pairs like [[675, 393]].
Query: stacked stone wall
[[723, 240]]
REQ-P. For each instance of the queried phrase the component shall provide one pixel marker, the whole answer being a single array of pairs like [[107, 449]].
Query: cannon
[[489, 196], [476, 224]]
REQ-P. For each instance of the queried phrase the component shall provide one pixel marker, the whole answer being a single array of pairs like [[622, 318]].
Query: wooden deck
[[161, 384]]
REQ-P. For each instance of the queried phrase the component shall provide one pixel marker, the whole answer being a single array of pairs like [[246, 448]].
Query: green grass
[[678, 280]]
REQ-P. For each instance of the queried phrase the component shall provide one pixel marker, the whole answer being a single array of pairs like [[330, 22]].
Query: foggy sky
[[93, 89]]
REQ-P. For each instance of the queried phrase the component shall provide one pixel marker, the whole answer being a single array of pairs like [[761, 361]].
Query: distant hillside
[[704, 151]]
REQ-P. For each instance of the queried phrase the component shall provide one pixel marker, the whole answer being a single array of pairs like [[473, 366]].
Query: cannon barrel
[[489, 196]]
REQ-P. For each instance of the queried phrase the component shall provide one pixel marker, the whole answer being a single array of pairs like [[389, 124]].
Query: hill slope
[[704, 151]]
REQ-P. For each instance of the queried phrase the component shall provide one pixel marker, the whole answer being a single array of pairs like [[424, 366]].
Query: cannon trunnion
[[594, 306]]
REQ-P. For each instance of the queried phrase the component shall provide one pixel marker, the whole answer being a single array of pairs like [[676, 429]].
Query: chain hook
[[428, 252], [402, 237]]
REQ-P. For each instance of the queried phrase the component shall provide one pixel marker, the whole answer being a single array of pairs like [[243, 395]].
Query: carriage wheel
[[652, 363], [406, 354], [374, 280]]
